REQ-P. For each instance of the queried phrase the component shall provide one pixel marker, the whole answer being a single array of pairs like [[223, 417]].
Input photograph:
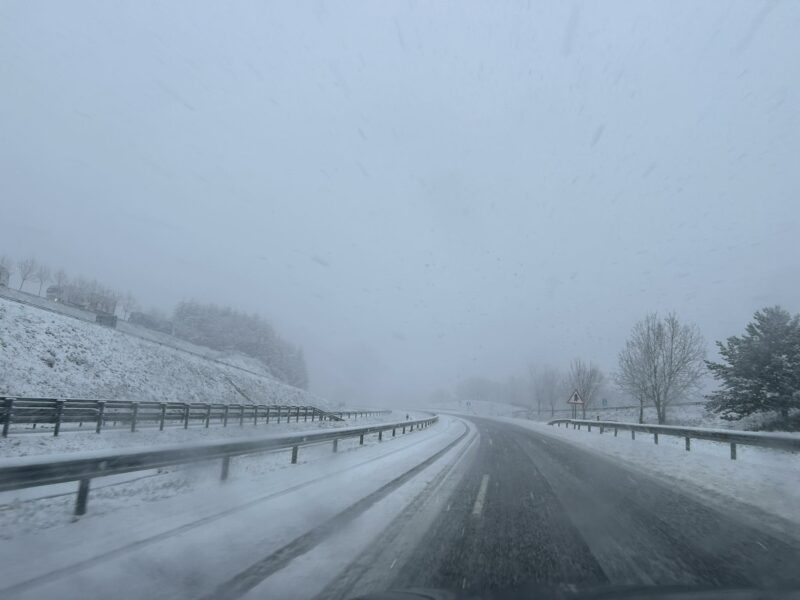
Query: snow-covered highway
[[470, 504]]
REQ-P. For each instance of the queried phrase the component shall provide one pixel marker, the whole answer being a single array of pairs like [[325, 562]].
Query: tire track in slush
[[244, 581]]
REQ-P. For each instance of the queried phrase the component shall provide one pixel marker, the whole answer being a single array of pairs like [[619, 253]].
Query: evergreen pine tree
[[761, 369]]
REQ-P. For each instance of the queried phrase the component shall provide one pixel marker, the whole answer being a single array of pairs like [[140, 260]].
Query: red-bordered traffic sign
[[575, 398]]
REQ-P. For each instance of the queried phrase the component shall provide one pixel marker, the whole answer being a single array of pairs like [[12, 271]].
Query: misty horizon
[[414, 196]]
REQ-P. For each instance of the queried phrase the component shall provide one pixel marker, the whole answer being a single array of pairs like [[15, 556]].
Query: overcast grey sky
[[414, 191]]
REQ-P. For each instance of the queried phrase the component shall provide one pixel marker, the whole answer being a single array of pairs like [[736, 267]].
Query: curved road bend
[[532, 509]]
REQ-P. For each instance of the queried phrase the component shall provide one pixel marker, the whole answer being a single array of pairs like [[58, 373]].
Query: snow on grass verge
[[760, 477]]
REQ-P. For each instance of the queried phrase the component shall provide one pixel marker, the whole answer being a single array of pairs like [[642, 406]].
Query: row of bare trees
[[662, 363], [550, 387], [79, 291], [27, 269]]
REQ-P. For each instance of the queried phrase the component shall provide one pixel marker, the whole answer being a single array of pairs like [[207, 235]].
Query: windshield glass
[[324, 299]]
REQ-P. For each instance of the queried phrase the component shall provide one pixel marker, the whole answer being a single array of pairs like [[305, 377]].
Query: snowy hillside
[[51, 355]]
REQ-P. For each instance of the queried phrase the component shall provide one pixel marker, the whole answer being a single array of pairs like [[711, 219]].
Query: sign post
[[575, 401]]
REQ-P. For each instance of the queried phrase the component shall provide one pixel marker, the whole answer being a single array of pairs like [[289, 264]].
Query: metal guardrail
[[776, 441], [355, 414], [19, 473], [58, 411], [528, 412]]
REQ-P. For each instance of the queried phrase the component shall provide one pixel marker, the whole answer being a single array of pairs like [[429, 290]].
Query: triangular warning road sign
[[575, 398]]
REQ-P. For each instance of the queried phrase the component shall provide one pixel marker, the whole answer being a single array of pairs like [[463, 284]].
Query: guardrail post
[[615, 432], [688, 443], [589, 428], [404, 429], [59, 412], [255, 415], [226, 465], [163, 416], [225, 416], [633, 434], [101, 409], [241, 415], [394, 431], [294, 455], [305, 414], [83, 497], [208, 415], [655, 438], [336, 445], [733, 450], [313, 415], [279, 415], [7, 417], [268, 411], [134, 415], [361, 440], [185, 415], [380, 435]]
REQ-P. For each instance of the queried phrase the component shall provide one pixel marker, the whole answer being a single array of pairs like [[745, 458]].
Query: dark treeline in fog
[[222, 328]]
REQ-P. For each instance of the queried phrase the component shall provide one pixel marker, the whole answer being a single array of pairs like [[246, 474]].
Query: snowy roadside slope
[[760, 477], [50, 355]]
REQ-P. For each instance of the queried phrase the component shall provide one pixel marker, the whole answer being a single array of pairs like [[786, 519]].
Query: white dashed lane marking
[[481, 499]]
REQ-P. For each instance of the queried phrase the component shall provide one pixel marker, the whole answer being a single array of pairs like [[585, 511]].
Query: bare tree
[[586, 379], [662, 362], [42, 275], [129, 304], [548, 388], [6, 267], [25, 268], [536, 398], [60, 279]]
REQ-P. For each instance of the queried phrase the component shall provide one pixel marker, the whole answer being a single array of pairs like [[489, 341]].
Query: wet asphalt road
[[554, 513]]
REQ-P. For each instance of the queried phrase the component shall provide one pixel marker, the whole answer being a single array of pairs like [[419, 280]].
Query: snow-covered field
[[44, 354], [760, 477]]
